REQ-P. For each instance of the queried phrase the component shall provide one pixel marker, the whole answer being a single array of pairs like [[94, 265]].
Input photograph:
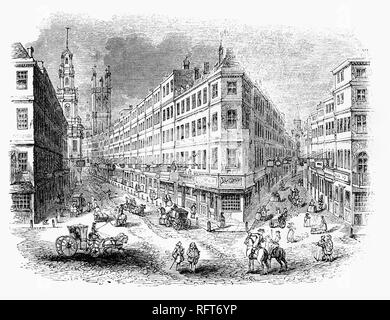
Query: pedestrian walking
[[328, 249], [193, 255], [178, 255], [291, 232], [222, 221], [319, 254], [306, 220]]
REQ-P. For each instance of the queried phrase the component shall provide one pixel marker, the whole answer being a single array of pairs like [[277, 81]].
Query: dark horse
[[277, 253]]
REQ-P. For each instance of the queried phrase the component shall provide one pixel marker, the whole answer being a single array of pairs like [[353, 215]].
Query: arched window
[[66, 81], [362, 162], [66, 60]]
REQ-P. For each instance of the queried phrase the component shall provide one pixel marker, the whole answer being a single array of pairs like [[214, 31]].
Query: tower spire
[[67, 33]]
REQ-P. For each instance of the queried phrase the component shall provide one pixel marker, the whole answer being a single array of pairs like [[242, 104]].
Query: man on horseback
[[275, 243], [253, 242]]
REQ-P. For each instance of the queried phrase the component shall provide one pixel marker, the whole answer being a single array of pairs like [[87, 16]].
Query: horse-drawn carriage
[[138, 210], [176, 217], [262, 214], [78, 204], [279, 222], [79, 240]]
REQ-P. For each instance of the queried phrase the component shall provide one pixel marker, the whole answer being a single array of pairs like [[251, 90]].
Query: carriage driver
[[94, 235]]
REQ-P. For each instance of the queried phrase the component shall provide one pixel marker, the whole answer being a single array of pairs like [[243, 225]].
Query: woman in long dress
[[291, 232], [306, 221], [319, 253]]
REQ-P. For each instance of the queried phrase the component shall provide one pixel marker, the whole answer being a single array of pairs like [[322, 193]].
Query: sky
[[292, 64]]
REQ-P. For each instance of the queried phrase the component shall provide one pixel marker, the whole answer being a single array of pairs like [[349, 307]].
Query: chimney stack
[[206, 68], [30, 51], [196, 69]]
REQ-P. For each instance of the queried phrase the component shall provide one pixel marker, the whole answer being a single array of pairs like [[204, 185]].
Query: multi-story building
[[38, 144], [339, 136], [67, 95], [203, 137]]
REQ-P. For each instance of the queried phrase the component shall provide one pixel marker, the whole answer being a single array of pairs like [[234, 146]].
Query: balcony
[[360, 179]]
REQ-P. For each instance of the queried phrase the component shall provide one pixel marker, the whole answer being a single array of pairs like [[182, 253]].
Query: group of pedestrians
[[193, 255], [325, 250]]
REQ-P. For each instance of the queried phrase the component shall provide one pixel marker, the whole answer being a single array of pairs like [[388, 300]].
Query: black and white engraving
[[160, 152]]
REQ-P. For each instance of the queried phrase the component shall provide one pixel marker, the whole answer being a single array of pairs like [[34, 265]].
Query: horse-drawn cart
[[92, 244], [176, 217], [279, 222]]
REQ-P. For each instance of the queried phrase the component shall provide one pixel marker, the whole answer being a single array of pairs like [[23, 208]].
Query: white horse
[[255, 252]]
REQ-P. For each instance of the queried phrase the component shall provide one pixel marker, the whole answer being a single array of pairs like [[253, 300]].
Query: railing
[[360, 179]]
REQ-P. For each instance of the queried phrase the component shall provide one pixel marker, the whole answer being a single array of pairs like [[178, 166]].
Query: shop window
[[231, 202], [21, 201], [22, 161]]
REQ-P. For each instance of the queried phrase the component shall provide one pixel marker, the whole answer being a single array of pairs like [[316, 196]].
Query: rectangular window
[[178, 109], [171, 85], [187, 130], [215, 121], [204, 95], [193, 97], [182, 106], [361, 72], [361, 125], [204, 160], [21, 201], [361, 94], [199, 98], [74, 145], [193, 128], [214, 90], [177, 133], [231, 202], [231, 119], [232, 87], [188, 104], [231, 158], [204, 125], [22, 161], [341, 75], [164, 115], [214, 158], [182, 131], [22, 118], [199, 127], [21, 80]]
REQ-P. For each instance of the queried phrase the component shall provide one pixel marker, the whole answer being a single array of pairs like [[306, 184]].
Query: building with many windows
[[338, 146], [201, 136], [38, 145]]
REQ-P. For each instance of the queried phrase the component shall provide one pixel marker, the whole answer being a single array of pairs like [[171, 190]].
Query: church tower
[[101, 101], [67, 94]]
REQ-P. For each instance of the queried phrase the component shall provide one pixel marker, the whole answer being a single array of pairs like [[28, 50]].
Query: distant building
[[101, 101], [38, 146], [67, 95], [202, 136], [338, 147]]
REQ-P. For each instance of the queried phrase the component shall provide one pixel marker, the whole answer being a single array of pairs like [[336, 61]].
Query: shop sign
[[206, 181], [342, 176], [230, 181]]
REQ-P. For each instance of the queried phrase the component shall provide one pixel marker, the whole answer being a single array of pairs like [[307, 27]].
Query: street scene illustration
[[199, 155]]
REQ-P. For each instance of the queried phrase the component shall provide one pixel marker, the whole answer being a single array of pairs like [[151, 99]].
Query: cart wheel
[[58, 245], [68, 246], [108, 246], [94, 249], [168, 223], [176, 226]]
